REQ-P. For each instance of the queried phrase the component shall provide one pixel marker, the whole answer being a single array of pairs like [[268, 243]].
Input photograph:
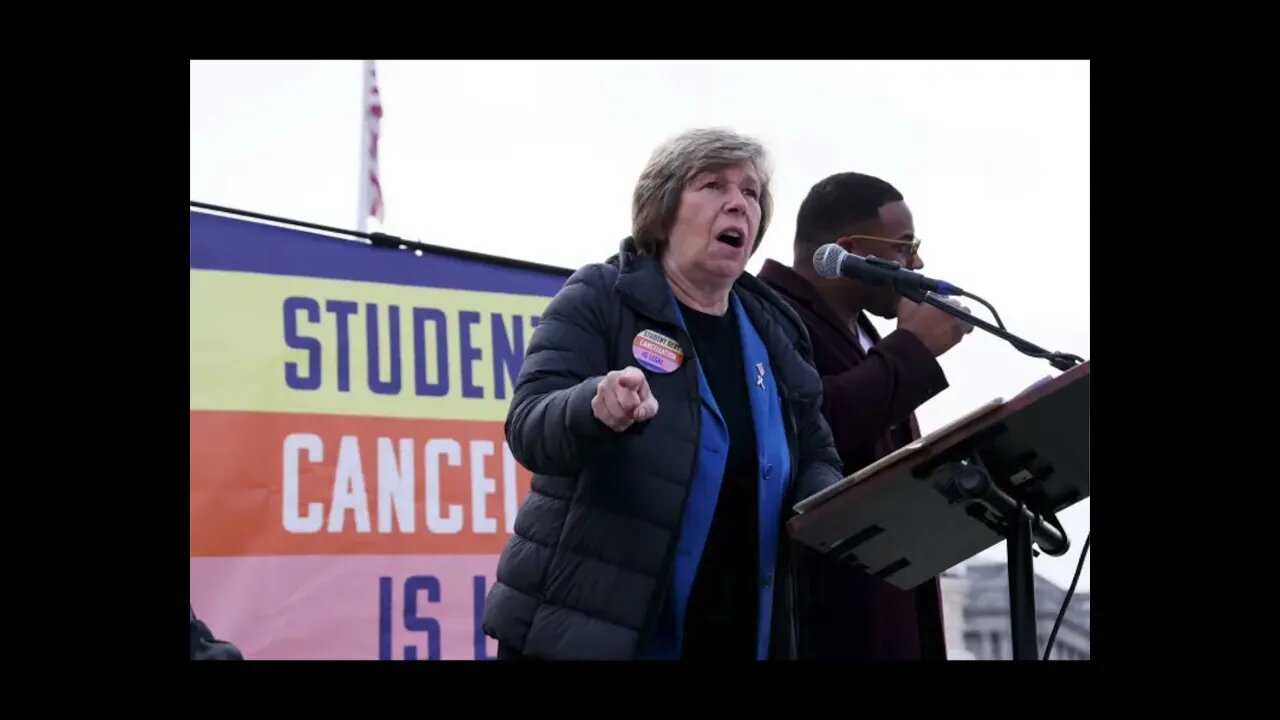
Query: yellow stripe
[[239, 351]]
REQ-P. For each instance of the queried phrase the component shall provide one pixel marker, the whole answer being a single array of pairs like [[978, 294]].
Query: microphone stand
[[1061, 361], [1024, 527]]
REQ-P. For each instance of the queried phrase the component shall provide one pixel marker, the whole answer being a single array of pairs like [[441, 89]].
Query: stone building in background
[[975, 600]]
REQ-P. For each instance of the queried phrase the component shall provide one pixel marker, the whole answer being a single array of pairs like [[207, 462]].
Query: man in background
[[204, 646], [872, 387]]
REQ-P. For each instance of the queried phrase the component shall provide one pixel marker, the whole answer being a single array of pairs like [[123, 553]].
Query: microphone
[[833, 261]]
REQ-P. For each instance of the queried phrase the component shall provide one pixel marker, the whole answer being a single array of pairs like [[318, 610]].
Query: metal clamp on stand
[[970, 481]]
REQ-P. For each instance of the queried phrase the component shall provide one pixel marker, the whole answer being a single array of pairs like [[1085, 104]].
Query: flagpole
[[366, 87]]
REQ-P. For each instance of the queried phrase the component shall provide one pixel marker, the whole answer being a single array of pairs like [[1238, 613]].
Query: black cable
[[383, 240], [1062, 361], [286, 221], [990, 307], [1070, 591]]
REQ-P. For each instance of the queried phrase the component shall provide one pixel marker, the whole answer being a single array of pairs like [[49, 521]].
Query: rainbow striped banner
[[351, 486]]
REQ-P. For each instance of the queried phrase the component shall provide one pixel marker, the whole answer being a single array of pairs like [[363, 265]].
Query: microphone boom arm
[[1060, 361], [832, 261]]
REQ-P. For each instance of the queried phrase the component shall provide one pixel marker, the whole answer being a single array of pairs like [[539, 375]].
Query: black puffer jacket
[[590, 564]]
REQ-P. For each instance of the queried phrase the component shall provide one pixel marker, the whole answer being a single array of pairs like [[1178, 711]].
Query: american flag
[[370, 185]]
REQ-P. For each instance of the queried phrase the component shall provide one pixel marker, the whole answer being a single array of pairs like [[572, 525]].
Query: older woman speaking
[[671, 416]]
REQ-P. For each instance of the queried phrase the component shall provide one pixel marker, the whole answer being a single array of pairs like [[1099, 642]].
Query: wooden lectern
[[1002, 472]]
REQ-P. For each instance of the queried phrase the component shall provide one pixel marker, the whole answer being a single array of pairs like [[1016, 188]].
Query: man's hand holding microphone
[[936, 329]]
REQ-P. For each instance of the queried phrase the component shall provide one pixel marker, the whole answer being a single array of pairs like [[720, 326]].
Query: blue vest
[[773, 476]]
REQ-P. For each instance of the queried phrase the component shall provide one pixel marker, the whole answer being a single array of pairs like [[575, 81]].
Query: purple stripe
[[223, 243]]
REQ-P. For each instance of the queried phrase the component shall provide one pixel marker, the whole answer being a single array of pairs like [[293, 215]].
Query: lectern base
[[1022, 590]]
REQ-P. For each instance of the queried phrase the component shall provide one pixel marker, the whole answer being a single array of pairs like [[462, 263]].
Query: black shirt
[[721, 617]]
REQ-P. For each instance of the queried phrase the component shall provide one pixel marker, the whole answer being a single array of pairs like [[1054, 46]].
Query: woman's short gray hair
[[674, 164]]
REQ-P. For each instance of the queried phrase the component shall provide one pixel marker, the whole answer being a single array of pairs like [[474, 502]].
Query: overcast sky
[[537, 160]]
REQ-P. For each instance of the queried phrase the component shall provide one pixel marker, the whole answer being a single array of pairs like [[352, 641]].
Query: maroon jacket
[[869, 401]]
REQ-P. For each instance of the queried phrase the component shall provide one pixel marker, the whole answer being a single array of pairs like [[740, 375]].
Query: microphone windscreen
[[826, 260]]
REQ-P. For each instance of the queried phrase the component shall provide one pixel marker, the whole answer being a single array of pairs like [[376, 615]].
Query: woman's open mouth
[[731, 237]]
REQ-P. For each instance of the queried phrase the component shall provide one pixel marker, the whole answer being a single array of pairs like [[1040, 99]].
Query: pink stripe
[[333, 607]]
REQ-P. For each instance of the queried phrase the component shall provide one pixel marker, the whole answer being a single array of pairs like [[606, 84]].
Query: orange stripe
[[656, 349], [346, 469]]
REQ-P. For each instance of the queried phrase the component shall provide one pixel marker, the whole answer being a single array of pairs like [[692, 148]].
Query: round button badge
[[657, 352]]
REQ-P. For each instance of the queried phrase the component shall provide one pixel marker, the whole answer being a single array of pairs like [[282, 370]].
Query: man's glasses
[[912, 245]]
